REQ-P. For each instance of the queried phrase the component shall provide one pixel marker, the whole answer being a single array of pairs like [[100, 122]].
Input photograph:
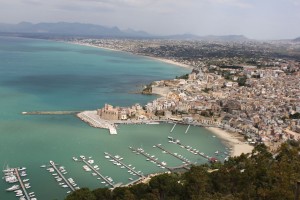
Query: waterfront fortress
[[108, 112]]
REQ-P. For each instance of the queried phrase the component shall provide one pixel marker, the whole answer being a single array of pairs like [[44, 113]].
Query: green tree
[[81, 194]]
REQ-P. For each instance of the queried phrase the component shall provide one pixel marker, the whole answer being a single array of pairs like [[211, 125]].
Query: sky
[[256, 19]]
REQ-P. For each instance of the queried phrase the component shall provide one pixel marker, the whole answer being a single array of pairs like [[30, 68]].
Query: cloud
[[235, 3]]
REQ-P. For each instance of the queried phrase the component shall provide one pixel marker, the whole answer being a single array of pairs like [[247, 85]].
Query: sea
[[41, 75]]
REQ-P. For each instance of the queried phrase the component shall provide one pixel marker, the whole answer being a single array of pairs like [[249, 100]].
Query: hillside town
[[250, 92]]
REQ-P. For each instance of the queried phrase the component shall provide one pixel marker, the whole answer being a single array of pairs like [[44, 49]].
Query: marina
[[184, 160], [131, 169], [14, 175], [62, 176], [150, 158], [22, 184], [105, 179], [193, 151]]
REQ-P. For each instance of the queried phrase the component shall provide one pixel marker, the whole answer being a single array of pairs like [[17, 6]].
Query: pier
[[62, 176], [51, 113], [172, 128], [21, 183], [92, 168], [150, 158], [187, 129], [126, 166], [174, 155], [95, 121], [193, 152]]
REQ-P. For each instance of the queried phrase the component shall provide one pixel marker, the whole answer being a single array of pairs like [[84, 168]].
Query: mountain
[[66, 29], [208, 38], [69, 29], [297, 39]]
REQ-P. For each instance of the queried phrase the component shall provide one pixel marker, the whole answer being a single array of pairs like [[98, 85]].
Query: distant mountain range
[[297, 39], [209, 37], [65, 29]]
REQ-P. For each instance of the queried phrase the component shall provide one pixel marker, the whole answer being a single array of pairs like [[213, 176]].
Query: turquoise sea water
[[42, 75]]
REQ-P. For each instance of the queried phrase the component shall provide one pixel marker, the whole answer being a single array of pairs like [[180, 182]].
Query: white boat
[[21, 169], [91, 161], [12, 188], [106, 156], [25, 180], [130, 179], [163, 163], [43, 166], [75, 159], [216, 152], [82, 157]]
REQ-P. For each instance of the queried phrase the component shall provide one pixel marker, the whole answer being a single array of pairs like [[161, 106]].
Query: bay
[[39, 75]]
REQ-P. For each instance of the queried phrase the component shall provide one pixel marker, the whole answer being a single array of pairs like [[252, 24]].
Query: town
[[243, 87]]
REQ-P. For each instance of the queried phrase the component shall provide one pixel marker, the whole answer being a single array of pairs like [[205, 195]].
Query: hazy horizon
[[264, 19]]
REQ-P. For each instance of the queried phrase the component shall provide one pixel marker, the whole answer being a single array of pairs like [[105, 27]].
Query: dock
[[150, 158], [172, 128], [51, 113], [92, 168], [62, 176], [174, 155], [195, 153], [187, 129], [21, 183], [123, 164]]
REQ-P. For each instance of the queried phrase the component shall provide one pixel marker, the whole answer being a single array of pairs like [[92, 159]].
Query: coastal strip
[[234, 140]]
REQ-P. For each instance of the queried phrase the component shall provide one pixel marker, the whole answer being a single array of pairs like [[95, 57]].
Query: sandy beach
[[234, 140], [154, 58]]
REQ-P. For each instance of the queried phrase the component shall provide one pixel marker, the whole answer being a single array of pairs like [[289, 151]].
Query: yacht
[[14, 187], [21, 169], [75, 159], [91, 161], [82, 157]]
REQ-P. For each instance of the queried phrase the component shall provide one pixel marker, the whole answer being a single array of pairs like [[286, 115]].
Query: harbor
[[108, 181], [16, 175], [60, 177], [184, 160], [117, 159], [191, 150], [150, 158]]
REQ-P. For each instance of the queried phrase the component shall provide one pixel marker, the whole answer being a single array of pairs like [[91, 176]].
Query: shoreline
[[233, 140], [164, 60]]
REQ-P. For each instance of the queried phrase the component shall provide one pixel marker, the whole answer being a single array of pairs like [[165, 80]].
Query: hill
[[69, 29], [297, 39]]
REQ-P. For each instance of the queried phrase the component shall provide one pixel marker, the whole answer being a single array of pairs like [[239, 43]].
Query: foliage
[[295, 116], [185, 76], [258, 175]]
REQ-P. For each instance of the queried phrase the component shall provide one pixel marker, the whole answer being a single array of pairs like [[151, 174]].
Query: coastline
[[164, 60], [233, 140]]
